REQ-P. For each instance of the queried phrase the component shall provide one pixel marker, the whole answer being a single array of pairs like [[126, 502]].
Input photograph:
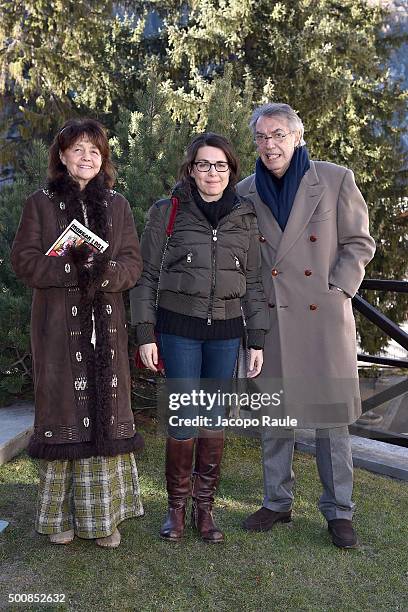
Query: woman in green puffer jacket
[[198, 293]]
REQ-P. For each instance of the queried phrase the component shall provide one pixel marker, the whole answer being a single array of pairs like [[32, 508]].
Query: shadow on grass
[[289, 568]]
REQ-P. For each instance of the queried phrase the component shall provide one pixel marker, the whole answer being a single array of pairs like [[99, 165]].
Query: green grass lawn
[[290, 568]]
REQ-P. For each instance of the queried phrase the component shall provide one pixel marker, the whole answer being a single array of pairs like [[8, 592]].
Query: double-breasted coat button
[[313, 307], [86, 422], [48, 434], [74, 311], [271, 305], [112, 419], [262, 239], [313, 238], [78, 356], [67, 268], [108, 308], [62, 206], [105, 283], [308, 273], [274, 272]]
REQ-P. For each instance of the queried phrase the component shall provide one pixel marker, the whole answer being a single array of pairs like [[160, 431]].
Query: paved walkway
[[16, 426], [372, 455]]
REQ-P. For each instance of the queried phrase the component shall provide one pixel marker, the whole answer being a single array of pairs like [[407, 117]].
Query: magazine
[[73, 236]]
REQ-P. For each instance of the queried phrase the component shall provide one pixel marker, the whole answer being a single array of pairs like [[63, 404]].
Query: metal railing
[[398, 335]]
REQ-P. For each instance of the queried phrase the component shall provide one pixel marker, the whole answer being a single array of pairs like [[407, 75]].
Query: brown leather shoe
[[342, 533], [264, 519], [179, 460], [205, 480]]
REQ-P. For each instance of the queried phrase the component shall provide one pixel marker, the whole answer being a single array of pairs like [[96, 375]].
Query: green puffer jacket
[[207, 273]]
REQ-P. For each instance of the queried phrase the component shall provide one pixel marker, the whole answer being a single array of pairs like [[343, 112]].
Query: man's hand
[[149, 355], [255, 362]]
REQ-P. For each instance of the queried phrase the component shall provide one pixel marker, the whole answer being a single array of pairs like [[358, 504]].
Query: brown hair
[[70, 132], [209, 139]]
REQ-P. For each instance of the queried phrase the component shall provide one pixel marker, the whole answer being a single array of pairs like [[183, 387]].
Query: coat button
[[274, 272], [313, 238], [313, 306], [308, 273], [86, 422], [48, 434], [105, 283], [108, 309], [67, 268], [62, 206], [74, 311], [271, 305], [262, 239]]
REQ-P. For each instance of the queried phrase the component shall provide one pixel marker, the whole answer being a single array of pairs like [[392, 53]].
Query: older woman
[[209, 274], [315, 245], [84, 428]]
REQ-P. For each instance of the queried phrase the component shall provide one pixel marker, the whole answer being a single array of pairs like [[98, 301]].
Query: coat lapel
[[307, 198], [268, 226]]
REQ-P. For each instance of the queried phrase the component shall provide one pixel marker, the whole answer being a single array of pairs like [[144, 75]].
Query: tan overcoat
[[311, 343]]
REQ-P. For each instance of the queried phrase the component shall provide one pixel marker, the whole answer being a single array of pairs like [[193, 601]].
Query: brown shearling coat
[[82, 394]]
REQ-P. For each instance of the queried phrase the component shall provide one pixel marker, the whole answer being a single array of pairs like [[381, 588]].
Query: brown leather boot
[[179, 459], [205, 480]]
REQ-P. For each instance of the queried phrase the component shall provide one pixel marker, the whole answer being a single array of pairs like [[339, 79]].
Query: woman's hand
[[255, 362], [149, 355], [89, 261]]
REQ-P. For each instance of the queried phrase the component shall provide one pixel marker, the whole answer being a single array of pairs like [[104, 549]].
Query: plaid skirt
[[91, 496]]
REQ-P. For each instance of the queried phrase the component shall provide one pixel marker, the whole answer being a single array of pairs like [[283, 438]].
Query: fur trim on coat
[[93, 318]]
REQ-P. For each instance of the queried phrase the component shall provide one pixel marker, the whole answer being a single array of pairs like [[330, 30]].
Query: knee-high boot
[[205, 480], [179, 459]]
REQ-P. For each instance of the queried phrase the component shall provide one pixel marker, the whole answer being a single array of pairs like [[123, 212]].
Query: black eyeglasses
[[205, 166]]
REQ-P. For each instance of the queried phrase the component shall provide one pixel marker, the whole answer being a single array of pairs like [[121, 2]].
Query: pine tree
[[228, 113], [64, 59], [15, 298], [148, 147]]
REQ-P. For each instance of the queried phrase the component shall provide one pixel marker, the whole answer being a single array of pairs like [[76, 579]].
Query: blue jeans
[[187, 361]]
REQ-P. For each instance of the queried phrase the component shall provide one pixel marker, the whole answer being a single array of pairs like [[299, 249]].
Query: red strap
[[173, 213]]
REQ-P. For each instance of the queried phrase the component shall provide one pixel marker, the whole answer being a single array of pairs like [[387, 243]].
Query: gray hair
[[282, 110]]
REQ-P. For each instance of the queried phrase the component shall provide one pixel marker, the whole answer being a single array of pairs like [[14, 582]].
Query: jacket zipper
[[214, 263], [243, 317], [213, 275]]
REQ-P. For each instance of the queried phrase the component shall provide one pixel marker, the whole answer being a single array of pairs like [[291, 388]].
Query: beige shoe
[[111, 541], [65, 537]]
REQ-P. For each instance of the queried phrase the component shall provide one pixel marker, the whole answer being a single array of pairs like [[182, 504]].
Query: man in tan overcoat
[[315, 243]]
